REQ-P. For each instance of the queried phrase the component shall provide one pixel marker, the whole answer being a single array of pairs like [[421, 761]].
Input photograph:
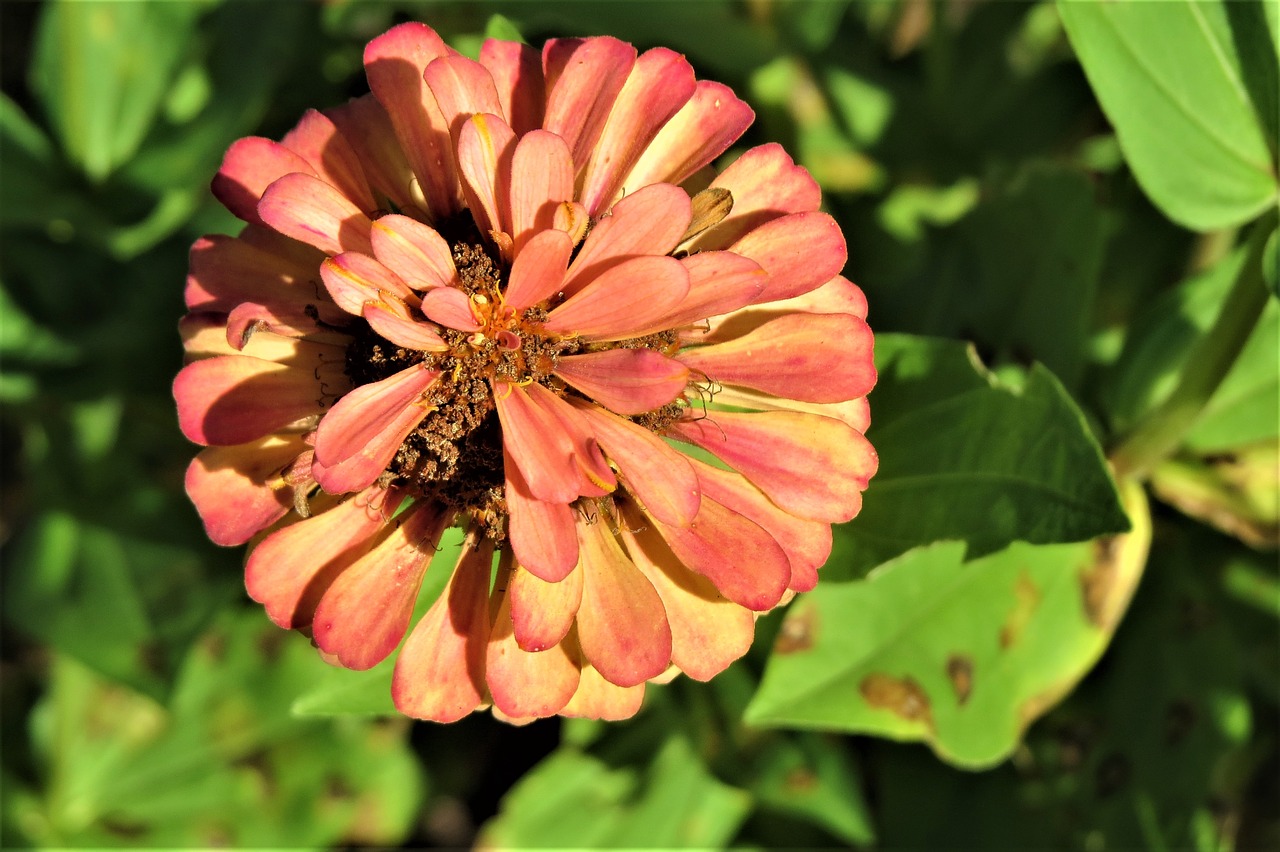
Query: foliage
[[1064, 574]]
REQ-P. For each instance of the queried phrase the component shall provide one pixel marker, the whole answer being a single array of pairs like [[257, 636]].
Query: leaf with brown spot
[[960, 673]]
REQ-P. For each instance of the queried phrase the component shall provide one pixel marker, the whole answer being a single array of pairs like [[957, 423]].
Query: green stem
[[1161, 431]]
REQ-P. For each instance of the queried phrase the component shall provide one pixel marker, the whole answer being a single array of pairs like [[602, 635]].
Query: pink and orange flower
[[510, 295]]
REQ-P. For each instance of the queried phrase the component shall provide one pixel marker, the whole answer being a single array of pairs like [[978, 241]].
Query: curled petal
[[597, 478], [621, 624], [543, 612], [439, 673], [365, 612], [627, 381], [360, 436], [854, 412], [416, 252], [462, 88], [368, 130], [234, 399], [659, 476], [240, 491], [631, 299], [808, 357], [812, 466], [311, 211], [535, 443], [292, 567]]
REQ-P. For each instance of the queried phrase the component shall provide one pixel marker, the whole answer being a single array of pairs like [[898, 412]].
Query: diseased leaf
[[962, 457], [1170, 78], [962, 655]]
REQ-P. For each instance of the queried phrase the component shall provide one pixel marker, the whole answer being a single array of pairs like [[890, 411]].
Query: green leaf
[[1170, 78], [1242, 409], [1237, 492], [573, 799], [807, 776], [1147, 749], [103, 69], [962, 457], [127, 606], [961, 655], [223, 765]]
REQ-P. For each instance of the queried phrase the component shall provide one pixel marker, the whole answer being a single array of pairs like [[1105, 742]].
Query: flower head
[[508, 295]]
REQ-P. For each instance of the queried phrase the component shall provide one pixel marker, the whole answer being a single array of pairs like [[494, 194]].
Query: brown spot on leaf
[[900, 696], [1099, 578], [798, 630], [800, 780], [960, 673], [1026, 598]]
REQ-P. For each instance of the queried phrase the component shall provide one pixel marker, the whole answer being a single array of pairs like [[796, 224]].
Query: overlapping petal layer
[[480, 296]]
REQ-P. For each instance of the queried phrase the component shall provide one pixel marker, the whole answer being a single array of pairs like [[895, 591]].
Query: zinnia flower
[[508, 295]]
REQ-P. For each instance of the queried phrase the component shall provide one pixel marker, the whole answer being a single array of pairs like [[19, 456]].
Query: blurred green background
[[1063, 217]]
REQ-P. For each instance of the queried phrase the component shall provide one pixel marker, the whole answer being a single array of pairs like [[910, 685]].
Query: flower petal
[[394, 63], [359, 437], [316, 139], [485, 149], [541, 181], [239, 491], [516, 70], [596, 698], [311, 211], [248, 168], [597, 478], [854, 412], [462, 88], [621, 623], [631, 299], [225, 271], [387, 321], [765, 184], [542, 535], [526, 683], [655, 473], [234, 399], [534, 442], [806, 543], [368, 130], [812, 466], [719, 281], [626, 381], [583, 78], [702, 130], [353, 278], [450, 307], [538, 271], [439, 673], [542, 612], [800, 252], [809, 357], [292, 567], [744, 562], [707, 631], [659, 85], [365, 612], [414, 251], [650, 221]]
